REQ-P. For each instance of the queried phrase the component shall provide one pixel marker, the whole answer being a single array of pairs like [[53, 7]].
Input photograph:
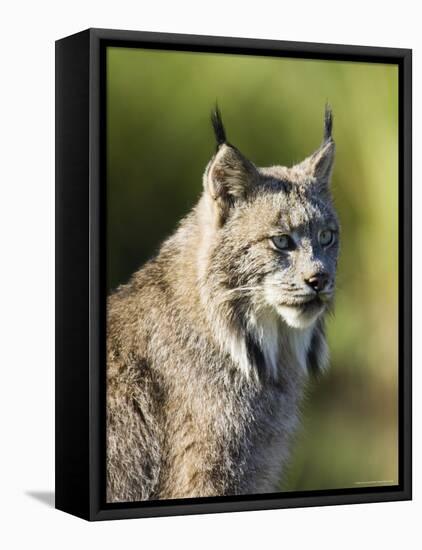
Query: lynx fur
[[210, 343]]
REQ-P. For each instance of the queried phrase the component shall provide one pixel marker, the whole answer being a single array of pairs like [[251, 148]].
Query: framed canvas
[[233, 274]]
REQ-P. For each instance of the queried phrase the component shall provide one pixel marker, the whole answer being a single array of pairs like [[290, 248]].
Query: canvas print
[[252, 275]]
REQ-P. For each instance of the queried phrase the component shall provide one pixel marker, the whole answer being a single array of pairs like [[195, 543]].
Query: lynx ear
[[229, 175], [320, 164]]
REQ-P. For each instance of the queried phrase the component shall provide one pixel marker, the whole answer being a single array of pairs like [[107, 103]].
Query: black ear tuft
[[328, 122], [217, 123]]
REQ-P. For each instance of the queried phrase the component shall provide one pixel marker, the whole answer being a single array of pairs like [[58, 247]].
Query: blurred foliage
[[159, 141]]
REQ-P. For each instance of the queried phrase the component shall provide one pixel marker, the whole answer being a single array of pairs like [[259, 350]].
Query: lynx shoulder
[[209, 344]]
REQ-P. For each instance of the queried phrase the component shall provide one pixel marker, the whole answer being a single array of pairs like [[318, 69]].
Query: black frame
[[80, 273]]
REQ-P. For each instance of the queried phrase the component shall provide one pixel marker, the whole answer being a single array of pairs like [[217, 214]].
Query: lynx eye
[[326, 237], [282, 242]]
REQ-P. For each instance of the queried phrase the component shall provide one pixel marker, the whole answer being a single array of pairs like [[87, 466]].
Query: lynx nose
[[318, 281]]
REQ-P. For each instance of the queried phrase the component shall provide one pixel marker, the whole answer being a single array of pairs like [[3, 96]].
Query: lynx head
[[273, 234]]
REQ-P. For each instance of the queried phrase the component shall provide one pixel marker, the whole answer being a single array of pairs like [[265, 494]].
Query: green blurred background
[[159, 140]]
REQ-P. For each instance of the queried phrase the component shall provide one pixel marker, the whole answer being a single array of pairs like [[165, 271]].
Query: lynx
[[210, 344]]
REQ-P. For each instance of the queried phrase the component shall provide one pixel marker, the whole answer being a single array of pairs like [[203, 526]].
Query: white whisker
[[243, 289]]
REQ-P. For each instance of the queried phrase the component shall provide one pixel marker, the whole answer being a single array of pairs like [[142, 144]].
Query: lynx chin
[[210, 343]]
